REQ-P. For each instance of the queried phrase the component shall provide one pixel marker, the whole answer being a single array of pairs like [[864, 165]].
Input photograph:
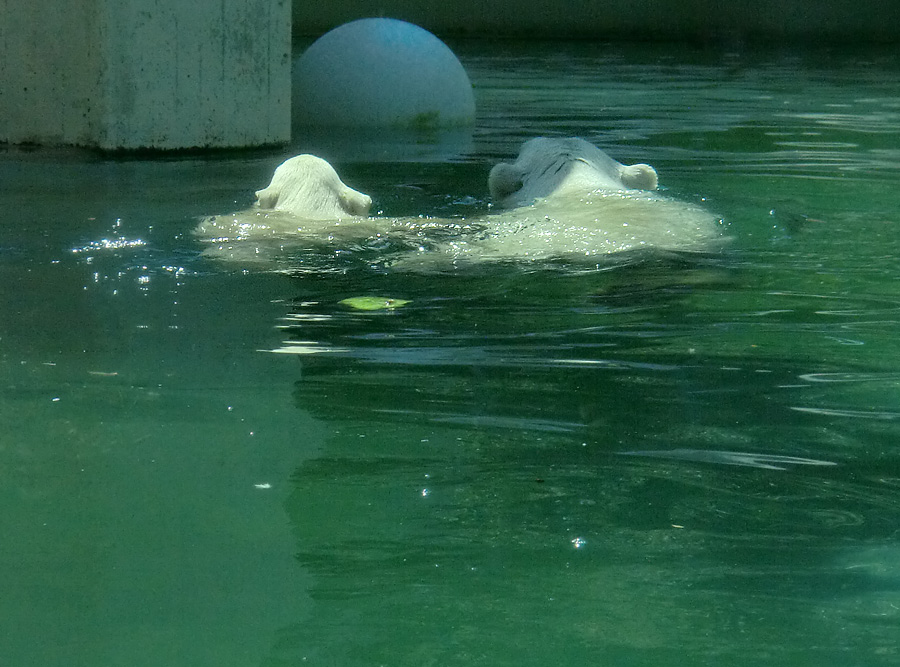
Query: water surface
[[650, 460]]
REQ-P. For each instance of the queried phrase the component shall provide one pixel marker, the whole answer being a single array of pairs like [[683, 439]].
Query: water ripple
[[850, 377], [749, 459], [857, 414]]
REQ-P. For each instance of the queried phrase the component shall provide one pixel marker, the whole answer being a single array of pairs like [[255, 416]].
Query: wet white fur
[[561, 198], [307, 186], [549, 167]]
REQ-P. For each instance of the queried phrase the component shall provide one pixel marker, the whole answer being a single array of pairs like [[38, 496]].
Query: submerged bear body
[[566, 198]]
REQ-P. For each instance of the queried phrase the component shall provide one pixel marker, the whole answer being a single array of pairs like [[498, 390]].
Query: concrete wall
[[157, 74], [48, 89], [694, 20]]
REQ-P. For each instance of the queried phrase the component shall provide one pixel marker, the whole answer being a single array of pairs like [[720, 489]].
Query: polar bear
[[561, 198], [563, 167], [305, 196], [564, 198], [308, 187]]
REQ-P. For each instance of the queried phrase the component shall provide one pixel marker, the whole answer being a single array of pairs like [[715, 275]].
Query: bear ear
[[505, 179], [267, 198], [355, 203], [638, 177]]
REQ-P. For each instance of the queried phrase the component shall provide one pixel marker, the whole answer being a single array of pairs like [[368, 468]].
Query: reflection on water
[[652, 460]]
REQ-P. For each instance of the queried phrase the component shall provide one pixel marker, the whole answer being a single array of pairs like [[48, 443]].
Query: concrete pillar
[[156, 74]]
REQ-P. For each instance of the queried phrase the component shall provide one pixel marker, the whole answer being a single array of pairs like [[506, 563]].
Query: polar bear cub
[[305, 197], [547, 167], [308, 187]]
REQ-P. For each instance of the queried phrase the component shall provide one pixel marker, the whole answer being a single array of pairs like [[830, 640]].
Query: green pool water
[[647, 460]]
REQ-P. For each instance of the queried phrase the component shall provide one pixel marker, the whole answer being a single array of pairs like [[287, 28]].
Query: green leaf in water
[[373, 303]]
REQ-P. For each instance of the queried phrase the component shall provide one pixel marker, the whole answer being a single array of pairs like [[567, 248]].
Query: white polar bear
[[307, 186], [305, 196], [564, 198], [564, 168]]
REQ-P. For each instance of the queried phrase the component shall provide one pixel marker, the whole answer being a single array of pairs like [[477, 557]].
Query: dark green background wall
[[695, 20]]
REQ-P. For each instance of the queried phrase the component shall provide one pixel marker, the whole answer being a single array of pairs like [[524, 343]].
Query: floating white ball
[[381, 73]]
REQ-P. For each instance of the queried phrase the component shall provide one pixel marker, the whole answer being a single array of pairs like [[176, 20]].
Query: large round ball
[[381, 73]]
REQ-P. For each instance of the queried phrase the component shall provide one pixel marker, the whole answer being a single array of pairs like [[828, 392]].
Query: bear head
[[547, 167], [307, 186]]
